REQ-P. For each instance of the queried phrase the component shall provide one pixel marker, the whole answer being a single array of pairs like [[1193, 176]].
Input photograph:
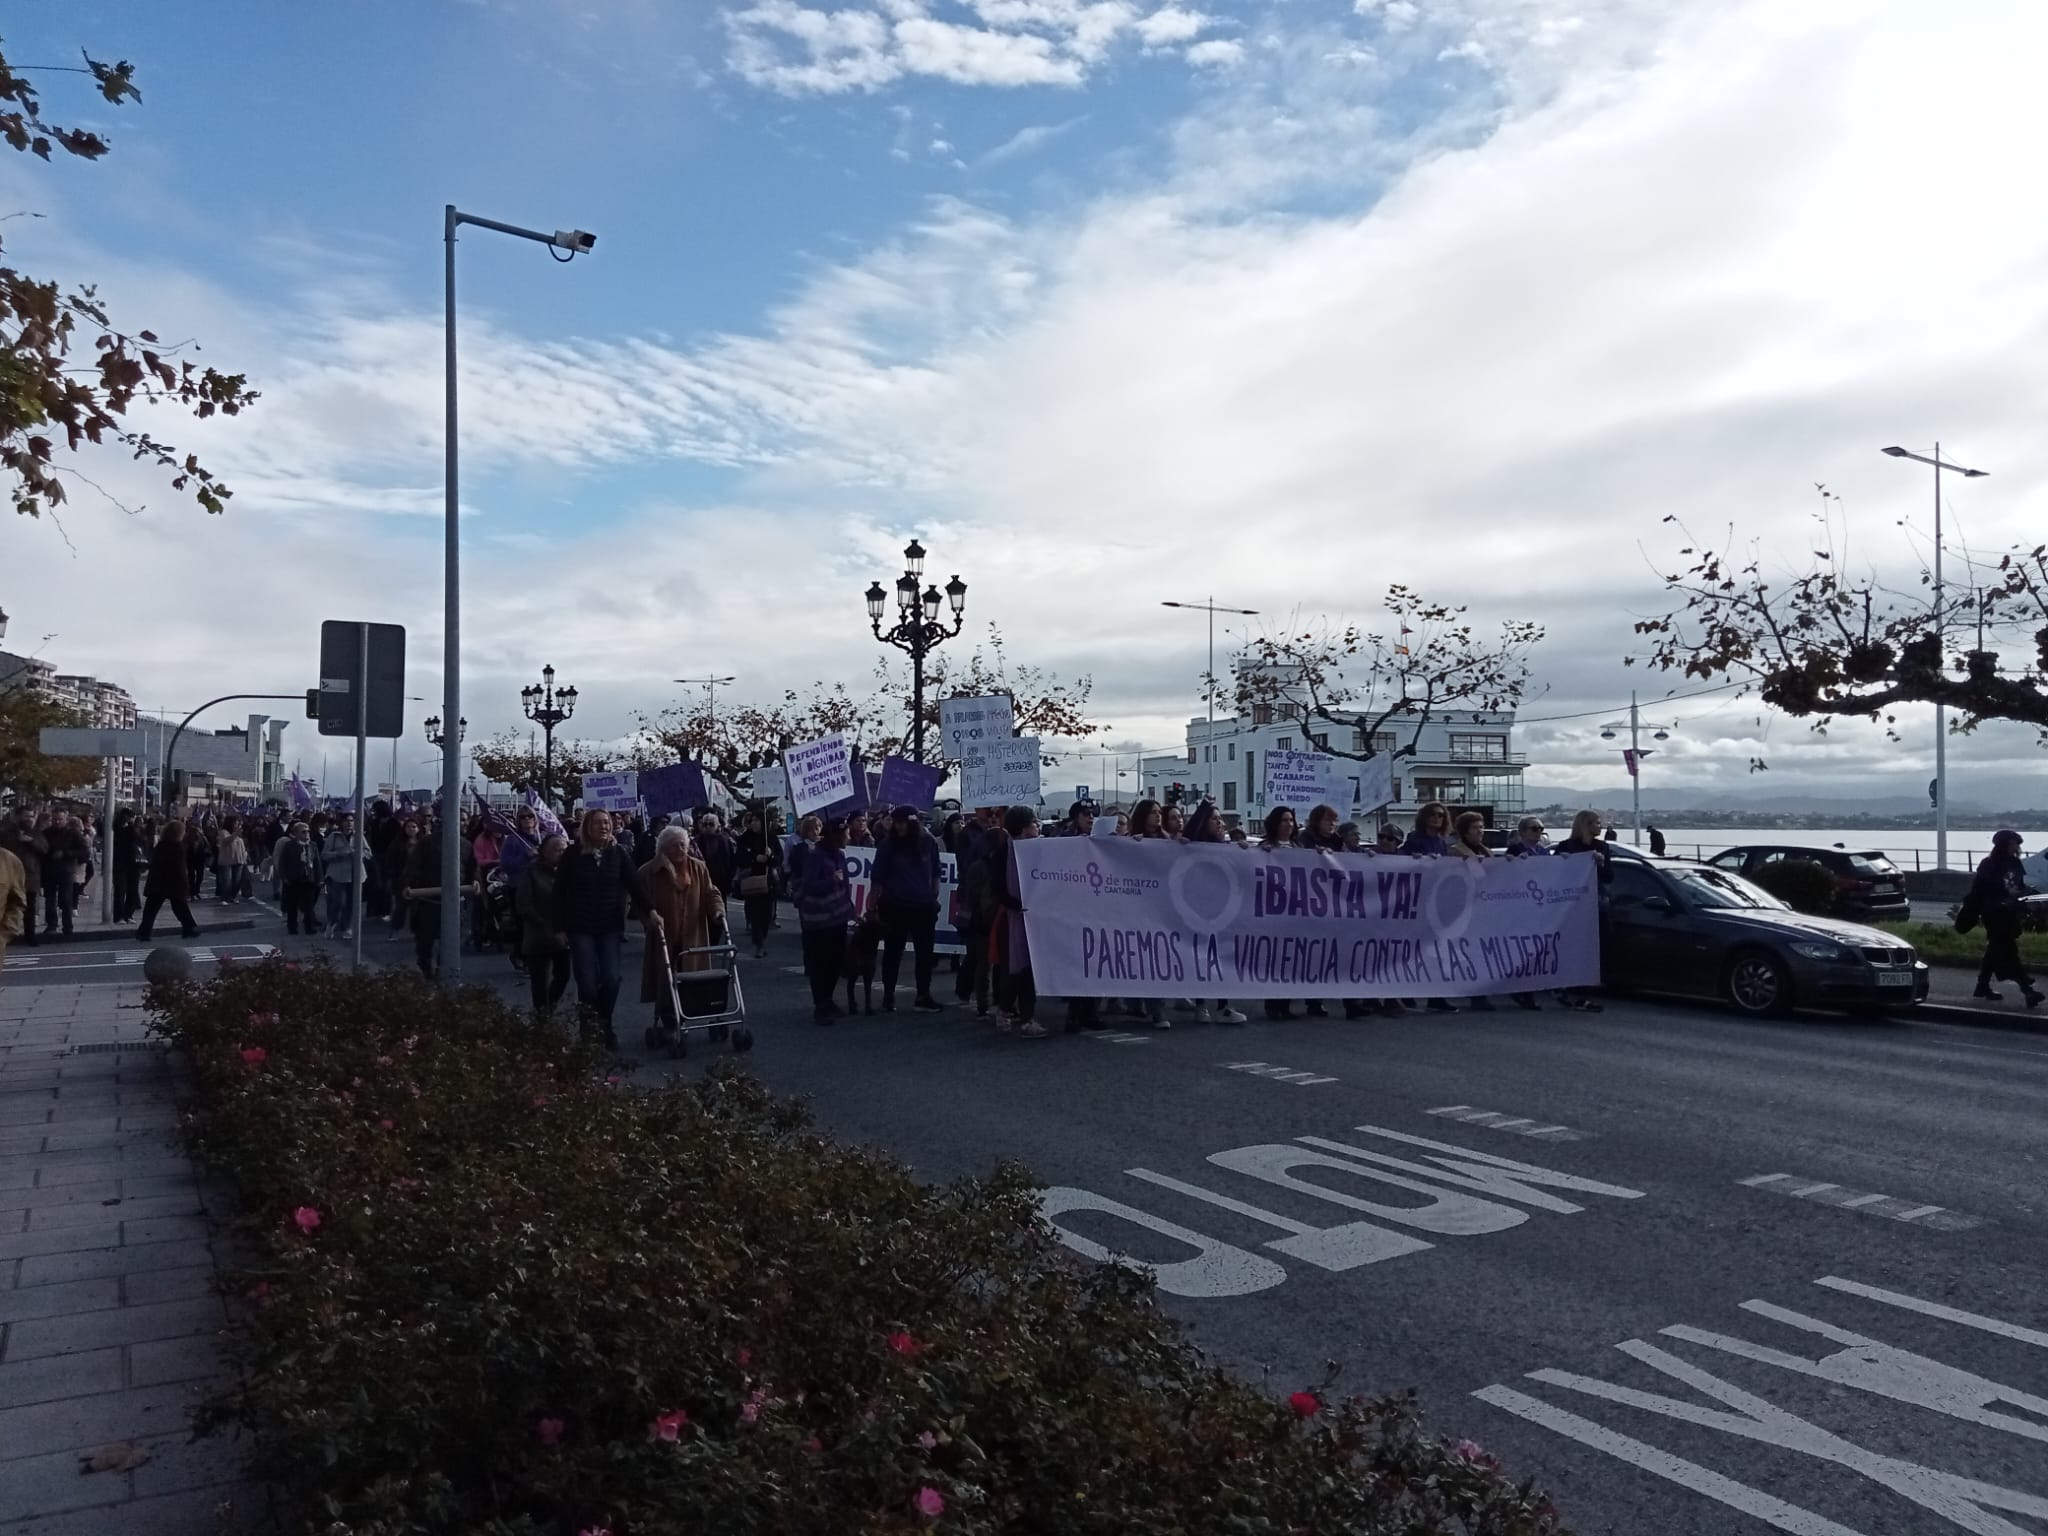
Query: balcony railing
[[1472, 755]]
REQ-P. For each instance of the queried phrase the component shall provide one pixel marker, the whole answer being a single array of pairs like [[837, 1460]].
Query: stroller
[[710, 1000]]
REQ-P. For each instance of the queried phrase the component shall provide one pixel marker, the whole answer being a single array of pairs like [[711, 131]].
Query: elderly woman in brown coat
[[684, 900]]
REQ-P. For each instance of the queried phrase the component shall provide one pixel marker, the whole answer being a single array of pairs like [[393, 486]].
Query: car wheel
[[1758, 983]]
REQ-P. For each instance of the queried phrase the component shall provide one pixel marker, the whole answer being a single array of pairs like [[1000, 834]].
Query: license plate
[[1895, 978]]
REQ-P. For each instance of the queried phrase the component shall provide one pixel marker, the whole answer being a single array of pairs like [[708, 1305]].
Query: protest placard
[[1305, 780], [820, 772], [1134, 917], [673, 790], [965, 724], [1374, 779], [904, 782], [611, 791], [1000, 773], [770, 783]]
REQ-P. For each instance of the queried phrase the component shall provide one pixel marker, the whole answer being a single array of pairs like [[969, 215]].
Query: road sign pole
[[362, 767]]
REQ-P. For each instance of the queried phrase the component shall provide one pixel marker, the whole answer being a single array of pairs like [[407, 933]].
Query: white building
[[1464, 758]]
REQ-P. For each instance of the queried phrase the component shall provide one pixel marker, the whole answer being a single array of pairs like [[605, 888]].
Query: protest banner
[[1302, 781], [611, 791], [860, 878], [1136, 918], [967, 724], [673, 790], [1000, 773], [820, 772], [770, 783], [1373, 782], [904, 782]]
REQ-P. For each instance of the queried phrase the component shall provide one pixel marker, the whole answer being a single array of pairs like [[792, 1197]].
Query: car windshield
[[1719, 888]]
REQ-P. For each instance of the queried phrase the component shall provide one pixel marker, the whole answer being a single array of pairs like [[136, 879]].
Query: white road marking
[[1938, 1217], [1947, 1314], [1124, 1039], [1675, 1469], [1519, 1125], [1242, 1208], [1278, 1074], [1218, 1269]]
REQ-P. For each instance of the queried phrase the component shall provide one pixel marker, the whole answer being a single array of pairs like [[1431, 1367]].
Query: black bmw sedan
[[1680, 927]]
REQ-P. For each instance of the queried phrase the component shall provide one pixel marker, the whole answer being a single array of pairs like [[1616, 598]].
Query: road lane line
[[1810, 1189], [1947, 1314], [1687, 1474], [1917, 1212], [1861, 1200], [1764, 1178]]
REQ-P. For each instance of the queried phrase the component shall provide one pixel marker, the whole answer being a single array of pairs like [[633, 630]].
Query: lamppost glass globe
[[913, 556], [956, 594]]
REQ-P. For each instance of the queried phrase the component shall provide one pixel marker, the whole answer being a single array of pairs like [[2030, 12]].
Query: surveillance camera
[[574, 240]]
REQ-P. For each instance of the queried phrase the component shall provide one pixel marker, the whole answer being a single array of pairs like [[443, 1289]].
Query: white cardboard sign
[[820, 773], [1000, 773], [966, 724], [1304, 780]]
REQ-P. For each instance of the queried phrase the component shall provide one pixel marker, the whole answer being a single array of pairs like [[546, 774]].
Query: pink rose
[[255, 1055], [384, 1125], [668, 1426], [927, 1440], [549, 1431], [308, 1219], [930, 1502], [904, 1345], [1305, 1405]]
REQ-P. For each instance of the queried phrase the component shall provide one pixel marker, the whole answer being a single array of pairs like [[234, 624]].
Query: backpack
[[1968, 914]]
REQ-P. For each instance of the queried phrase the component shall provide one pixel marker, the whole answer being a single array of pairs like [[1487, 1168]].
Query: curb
[[118, 935], [1983, 1018]]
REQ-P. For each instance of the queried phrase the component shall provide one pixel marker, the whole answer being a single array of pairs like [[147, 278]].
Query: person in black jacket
[[21, 839], [757, 864], [297, 859], [169, 880], [2001, 882], [594, 887], [124, 867], [423, 893], [63, 859]]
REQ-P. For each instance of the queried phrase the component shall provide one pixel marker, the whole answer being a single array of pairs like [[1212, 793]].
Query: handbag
[[757, 885]]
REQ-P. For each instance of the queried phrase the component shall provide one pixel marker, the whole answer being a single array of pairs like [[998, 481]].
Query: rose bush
[[498, 1291]]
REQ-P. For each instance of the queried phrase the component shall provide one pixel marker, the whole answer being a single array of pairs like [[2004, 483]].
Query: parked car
[[1867, 883], [1697, 930]]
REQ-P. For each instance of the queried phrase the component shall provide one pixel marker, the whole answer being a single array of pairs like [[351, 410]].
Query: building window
[[1231, 748], [1230, 794], [1375, 742], [1248, 784], [1286, 744], [1191, 754], [1262, 714], [1321, 739], [1473, 748]]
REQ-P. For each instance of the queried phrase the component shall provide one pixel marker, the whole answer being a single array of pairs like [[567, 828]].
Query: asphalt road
[[1697, 1274]]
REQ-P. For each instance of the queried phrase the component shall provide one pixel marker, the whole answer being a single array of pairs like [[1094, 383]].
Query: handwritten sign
[[611, 791], [771, 783], [967, 724], [1304, 780], [1000, 773], [820, 772]]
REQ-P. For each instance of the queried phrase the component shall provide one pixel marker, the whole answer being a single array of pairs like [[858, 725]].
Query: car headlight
[[1816, 950]]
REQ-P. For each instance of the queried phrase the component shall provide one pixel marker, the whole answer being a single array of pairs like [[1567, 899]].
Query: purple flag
[[302, 797], [549, 823]]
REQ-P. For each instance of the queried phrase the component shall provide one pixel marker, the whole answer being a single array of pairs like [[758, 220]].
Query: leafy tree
[[1818, 644], [1432, 660], [510, 758], [52, 403], [732, 741], [24, 769]]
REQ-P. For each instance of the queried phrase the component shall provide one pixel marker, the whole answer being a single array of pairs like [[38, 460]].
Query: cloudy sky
[[1108, 301]]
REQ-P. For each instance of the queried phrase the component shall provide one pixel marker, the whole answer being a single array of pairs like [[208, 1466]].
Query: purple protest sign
[[673, 790], [904, 782]]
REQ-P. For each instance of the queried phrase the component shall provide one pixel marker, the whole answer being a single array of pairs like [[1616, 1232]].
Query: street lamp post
[[573, 242], [917, 629], [547, 708], [710, 685], [1636, 753], [1212, 610], [1940, 712]]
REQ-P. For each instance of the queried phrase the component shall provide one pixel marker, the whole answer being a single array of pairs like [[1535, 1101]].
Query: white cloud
[[1029, 140], [1217, 52], [1171, 24], [783, 46]]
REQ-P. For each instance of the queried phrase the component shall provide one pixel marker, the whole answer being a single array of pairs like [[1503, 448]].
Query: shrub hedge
[[496, 1291]]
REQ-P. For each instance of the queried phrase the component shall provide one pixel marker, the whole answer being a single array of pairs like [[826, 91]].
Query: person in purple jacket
[[907, 884]]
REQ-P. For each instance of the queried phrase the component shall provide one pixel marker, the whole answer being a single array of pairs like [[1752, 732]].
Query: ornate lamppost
[[547, 707], [917, 629]]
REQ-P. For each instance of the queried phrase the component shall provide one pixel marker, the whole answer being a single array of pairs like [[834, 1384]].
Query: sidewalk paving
[[109, 1324], [1949, 988], [86, 927]]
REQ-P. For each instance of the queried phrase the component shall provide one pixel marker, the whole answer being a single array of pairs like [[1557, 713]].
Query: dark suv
[[1867, 884]]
